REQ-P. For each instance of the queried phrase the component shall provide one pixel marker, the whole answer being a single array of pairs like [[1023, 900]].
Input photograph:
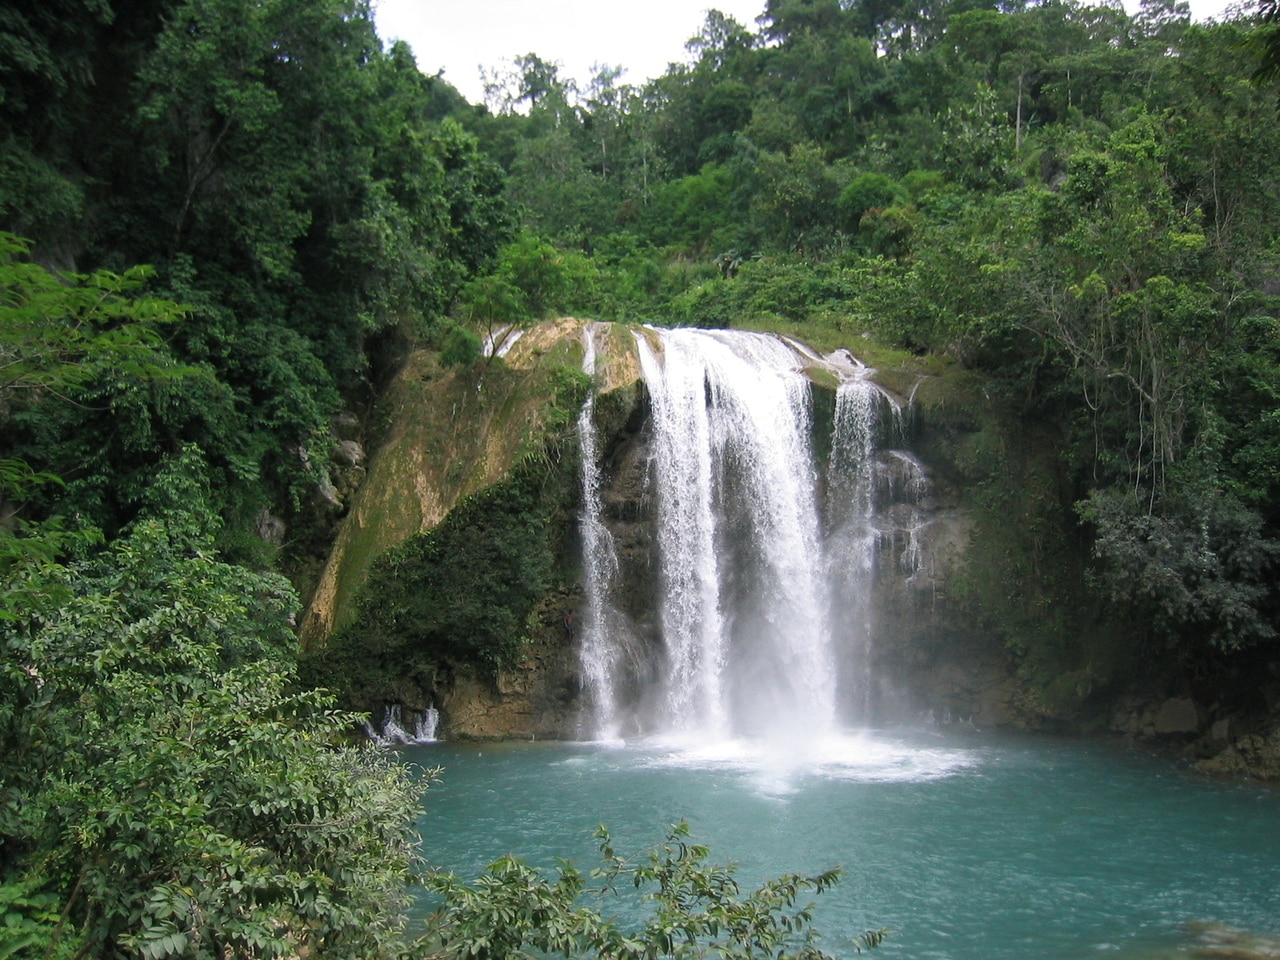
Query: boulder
[[346, 425], [1177, 715], [347, 453], [270, 527], [326, 496], [1253, 755]]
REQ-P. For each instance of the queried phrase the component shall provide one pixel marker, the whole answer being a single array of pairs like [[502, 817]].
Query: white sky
[[643, 36]]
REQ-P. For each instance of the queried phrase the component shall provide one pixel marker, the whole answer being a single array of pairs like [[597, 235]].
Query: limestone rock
[[346, 425], [327, 496], [1254, 755], [269, 527], [1177, 715], [1228, 763], [1228, 943], [347, 453]]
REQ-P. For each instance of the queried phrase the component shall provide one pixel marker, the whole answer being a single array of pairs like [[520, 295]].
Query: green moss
[[491, 453], [822, 400], [823, 378], [445, 437], [616, 411], [461, 597]]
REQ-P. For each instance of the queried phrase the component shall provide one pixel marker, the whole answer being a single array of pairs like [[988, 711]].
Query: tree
[[490, 304], [293, 183], [797, 196], [1265, 40], [1197, 573], [60, 332], [59, 335], [165, 779], [867, 191]]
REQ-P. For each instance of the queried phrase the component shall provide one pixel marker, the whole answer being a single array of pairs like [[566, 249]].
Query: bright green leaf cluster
[[675, 903]]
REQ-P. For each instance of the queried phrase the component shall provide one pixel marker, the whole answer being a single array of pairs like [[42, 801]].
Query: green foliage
[[976, 142], [497, 543], [866, 192], [61, 338], [541, 273], [32, 925], [796, 195], [1265, 42], [462, 595], [166, 780], [460, 348], [686, 907], [696, 210], [294, 184], [1198, 571], [61, 332], [532, 280]]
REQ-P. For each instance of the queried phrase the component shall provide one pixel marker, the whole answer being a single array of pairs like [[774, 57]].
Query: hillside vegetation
[[228, 222]]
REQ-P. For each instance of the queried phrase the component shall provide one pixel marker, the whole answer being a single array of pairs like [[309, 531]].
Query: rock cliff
[[988, 625]]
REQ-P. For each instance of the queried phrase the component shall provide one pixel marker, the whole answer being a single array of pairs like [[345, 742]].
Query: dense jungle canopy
[[227, 221]]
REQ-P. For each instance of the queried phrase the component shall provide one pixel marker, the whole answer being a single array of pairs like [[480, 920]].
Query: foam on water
[[854, 755]]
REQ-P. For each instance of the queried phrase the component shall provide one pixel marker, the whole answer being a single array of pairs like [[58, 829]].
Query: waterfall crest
[[761, 603]]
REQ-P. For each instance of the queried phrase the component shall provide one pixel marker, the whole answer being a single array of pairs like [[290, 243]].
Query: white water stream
[[763, 587], [599, 652]]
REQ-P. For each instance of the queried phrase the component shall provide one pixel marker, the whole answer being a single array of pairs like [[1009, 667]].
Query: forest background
[[1081, 205]]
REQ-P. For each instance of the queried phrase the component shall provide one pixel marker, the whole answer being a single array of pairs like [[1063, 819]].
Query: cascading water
[[873, 495], [598, 648], [851, 535], [761, 603], [741, 593], [498, 343], [393, 731]]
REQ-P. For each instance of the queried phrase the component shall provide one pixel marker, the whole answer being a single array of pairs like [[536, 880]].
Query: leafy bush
[[869, 191], [165, 780], [1198, 570], [691, 909]]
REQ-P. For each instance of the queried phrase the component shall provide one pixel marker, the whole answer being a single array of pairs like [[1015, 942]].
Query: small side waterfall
[[498, 343], [874, 490], [392, 730], [761, 617], [598, 649]]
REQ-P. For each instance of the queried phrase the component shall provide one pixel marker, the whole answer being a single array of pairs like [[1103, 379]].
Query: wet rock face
[[542, 697], [627, 513], [536, 700], [1146, 717], [1254, 755]]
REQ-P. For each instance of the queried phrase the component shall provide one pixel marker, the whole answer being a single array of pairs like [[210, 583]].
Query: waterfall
[[598, 647], [393, 731], [761, 622], [853, 538], [498, 343], [742, 597]]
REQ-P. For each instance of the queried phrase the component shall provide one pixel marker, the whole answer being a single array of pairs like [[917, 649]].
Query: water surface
[[964, 846]]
